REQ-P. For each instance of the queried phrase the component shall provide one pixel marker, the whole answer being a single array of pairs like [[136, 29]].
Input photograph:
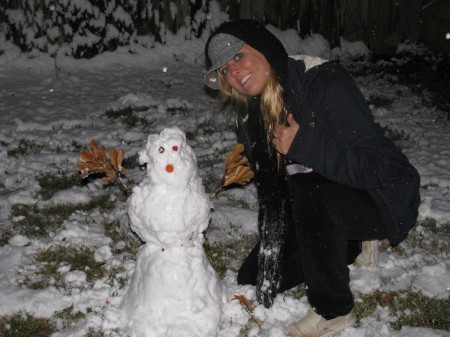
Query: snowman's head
[[170, 160]]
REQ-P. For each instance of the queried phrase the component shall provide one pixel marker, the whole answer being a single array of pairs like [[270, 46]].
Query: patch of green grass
[[51, 183], [229, 256], [366, 305], [205, 128], [418, 310], [133, 121], [130, 244], [245, 330], [411, 309], [211, 182], [297, 292], [395, 135], [217, 157], [24, 147], [184, 110], [76, 147], [380, 101], [120, 113], [432, 226], [428, 237], [59, 149], [130, 162], [69, 314], [238, 202], [25, 325], [250, 327], [52, 259], [166, 84], [117, 233], [5, 235], [35, 221], [210, 160], [128, 118], [430, 185], [70, 317], [94, 333]]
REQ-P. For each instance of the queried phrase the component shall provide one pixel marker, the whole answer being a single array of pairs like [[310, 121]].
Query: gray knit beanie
[[221, 49]]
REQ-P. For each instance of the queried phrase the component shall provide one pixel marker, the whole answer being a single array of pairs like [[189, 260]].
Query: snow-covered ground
[[50, 109]]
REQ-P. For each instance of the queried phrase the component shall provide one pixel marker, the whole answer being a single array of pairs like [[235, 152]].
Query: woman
[[327, 177]]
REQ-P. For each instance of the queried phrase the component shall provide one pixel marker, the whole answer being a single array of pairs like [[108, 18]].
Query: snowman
[[174, 291]]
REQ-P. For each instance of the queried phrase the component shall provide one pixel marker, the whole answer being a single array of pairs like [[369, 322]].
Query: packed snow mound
[[174, 290], [170, 161], [169, 208]]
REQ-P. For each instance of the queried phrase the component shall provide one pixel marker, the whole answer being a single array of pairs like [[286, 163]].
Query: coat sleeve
[[338, 137]]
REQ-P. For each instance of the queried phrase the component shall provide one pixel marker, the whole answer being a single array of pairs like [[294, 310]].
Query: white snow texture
[[174, 290]]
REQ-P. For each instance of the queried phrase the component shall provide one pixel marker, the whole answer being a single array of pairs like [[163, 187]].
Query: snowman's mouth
[[169, 168]]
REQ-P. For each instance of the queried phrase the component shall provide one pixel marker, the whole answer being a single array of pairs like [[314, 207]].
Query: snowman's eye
[[161, 150]]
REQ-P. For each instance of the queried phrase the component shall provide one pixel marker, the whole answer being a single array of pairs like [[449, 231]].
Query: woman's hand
[[284, 135]]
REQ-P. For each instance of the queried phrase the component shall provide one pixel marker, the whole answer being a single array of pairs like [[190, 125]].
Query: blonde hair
[[273, 106]]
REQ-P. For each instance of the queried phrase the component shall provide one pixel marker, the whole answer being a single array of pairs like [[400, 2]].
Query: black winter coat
[[339, 139]]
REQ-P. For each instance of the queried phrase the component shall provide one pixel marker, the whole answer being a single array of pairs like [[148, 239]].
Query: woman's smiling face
[[247, 72]]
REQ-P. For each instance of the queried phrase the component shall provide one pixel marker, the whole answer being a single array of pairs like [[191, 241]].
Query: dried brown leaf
[[239, 175], [96, 161], [245, 302], [237, 162], [236, 170], [98, 152], [388, 299], [116, 157]]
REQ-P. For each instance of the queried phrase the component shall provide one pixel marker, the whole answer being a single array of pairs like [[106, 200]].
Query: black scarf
[[271, 182], [274, 208]]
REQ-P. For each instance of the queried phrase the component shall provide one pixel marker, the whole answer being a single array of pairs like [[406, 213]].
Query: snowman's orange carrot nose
[[169, 168]]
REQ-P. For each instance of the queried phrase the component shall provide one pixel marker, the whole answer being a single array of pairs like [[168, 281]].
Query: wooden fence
[[381, 24], [47, 24]]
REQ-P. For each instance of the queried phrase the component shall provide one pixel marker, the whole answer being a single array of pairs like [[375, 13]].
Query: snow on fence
[[84, 28]]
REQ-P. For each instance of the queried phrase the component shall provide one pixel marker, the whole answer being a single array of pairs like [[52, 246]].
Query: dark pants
[[328, 222]]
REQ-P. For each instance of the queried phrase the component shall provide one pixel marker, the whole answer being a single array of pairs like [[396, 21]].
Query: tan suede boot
[[314, 325], [369, 254]]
